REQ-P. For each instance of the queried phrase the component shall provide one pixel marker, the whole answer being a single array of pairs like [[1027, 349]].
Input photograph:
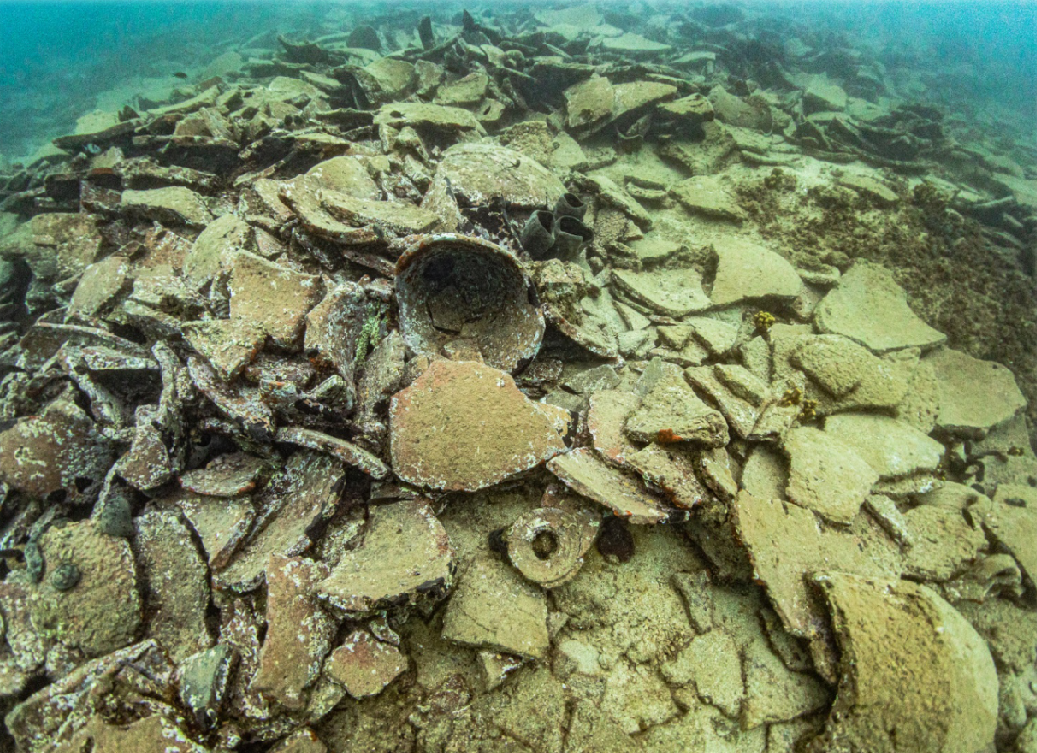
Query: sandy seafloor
[[550, 378]]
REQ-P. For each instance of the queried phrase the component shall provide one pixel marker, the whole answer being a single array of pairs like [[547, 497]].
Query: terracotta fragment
[[379, 573], [299, 631], [912, 667], [363, 665], [465, 426], [624, 494]]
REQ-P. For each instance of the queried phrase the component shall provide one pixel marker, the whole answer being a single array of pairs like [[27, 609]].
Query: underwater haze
[[58, 58], [421, 377]]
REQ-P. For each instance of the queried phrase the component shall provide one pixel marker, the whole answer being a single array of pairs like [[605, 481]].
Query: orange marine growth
[[667, 436]]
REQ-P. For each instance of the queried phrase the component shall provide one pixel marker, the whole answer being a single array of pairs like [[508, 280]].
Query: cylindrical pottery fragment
[[537, 235], [570, 235], [455, 289], [570, 205]]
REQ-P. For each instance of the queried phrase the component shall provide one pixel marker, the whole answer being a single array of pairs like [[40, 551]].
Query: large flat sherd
[[73, 241], [566, 307], [92, 127], [943, 542], [785, 543], [741, 414], [674, 292], [302, 194], [463, 426], [774, 693], [606, 417], [221, 239], [587, 474], [636, 95], [494, 607], [405, 554], [707, 196], [690, 110], [1012, 521], [100, 283], [466, 91], [974, 395], [149, 734], [53, 451], [634, 44], [386, 79], [826, 475], [272, 296], [834, 362], [851, 374], [718, 337], [221, 525], [824, 95], [102, 611], [177, 583], [229, 345], [915, 674], [479, 173], [653, 250], [424, 115], [673, 410], [893, 448], [346, 174], [590, 102], [173, 204], [299, 631], [749, 271], [609, 193], [765, 472], [395, 216], [874, 189], [671, 469], [870, 307], [713, 663]]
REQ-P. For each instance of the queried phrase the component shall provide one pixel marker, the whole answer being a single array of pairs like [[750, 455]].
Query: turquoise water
[[58, 58]]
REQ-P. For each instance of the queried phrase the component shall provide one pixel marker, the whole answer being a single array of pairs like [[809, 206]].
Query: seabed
[[527, 380]]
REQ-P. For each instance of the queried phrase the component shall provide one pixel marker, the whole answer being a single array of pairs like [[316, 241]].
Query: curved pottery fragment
[[547, 545], [453, 288], [478, 174], [914, 674], [463, 426]]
